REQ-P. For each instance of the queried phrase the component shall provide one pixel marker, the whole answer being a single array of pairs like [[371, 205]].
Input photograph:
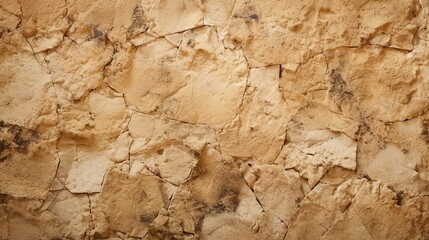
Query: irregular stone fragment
[[27, 159], [120, 149], [184, 162], [109, 114], [44, 23], [395, 154], [327, 142], [168, 17], [316, 116], [116, 20], [26, 223], [78, 68], [168, 148], [74, 211], [101, 116], [67, 155], [393, 167], [421, 223], [228, 226], [28, 182], [313, 153], [422, 32], [269, 226], [101, 119], [10, 13], [348, 226], [391, 91], [320, 208], [226, 195], [337, 175], [278, 191], [87, 173], [170, 83], [217, 13], [308, 79], [29, 77], [376, 208], [129, 20], [279, 29], [142, 83], [121, 62], [100, 223], [224, 226], [131, 202], [259, 130], [27, 174], [358, 207]]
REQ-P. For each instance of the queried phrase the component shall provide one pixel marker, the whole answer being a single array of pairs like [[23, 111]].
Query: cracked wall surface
[[214, 119]]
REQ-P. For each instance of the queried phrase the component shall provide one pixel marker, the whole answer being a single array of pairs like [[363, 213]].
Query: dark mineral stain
[[199, 225], [143, 195], [147, 218], [198, 170], [15, 138], [363, 128], [338, 85], [227, 203], [338, 89], [424, 134], [139, 23], [247, 12], [21, 142], [3, 145], [223, 191], [218, 208], [165, 75], [228, 199], [399, 197], [196, 154], [96, 34], [254, 16], [3, 198], [190, 43]]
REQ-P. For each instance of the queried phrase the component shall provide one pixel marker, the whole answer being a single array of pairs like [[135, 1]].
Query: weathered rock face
[[214, 119]]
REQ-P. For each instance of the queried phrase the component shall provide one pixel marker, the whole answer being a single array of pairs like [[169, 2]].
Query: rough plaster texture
[[214, 119]]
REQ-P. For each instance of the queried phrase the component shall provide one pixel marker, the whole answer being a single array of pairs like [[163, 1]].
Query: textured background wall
[[214, 119]]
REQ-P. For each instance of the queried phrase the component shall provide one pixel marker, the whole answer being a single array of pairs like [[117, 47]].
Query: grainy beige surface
[[214, 119]]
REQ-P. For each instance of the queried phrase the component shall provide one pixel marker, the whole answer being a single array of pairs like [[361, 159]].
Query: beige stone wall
[[214, 119]]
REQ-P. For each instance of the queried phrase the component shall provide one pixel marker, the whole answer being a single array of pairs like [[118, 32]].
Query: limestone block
[[259, 130], [166, 83], [134, 203]]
